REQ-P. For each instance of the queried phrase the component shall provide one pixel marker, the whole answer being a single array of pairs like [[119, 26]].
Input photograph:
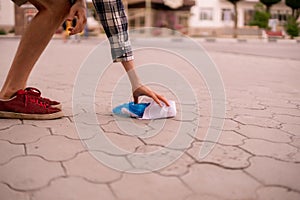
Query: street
[[255, 155]]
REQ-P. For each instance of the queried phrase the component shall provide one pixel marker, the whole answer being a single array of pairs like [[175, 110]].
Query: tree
[[295, 6], [234, 2], [261, 17], [292, 27], [269, 4]]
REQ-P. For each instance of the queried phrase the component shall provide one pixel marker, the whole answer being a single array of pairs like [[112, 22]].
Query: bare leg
[[35, 39]]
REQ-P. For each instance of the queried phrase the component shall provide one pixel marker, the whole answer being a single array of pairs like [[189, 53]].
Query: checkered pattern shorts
[[114, 21]]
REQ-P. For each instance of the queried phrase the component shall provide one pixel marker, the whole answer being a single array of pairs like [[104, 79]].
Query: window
[[227, 15], [206, 14], [280, 15], [248, 16]]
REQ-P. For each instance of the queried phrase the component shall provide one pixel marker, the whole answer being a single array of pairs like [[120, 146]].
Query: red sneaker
[[25, 106], [36, 92]]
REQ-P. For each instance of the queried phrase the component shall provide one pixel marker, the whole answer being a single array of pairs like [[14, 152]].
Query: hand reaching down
[[146, 91]]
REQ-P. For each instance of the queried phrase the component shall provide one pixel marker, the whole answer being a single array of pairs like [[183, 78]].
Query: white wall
[[200, 4], [7, 13], [218, 5]]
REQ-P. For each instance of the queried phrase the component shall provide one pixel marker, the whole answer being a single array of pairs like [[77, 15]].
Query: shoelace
[[35, 100], [36, 92]]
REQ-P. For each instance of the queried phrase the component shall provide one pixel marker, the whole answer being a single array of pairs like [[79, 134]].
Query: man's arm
[[138, 89]]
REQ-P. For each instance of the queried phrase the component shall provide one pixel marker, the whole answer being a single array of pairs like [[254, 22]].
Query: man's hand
[[144, 90], [78, 11]]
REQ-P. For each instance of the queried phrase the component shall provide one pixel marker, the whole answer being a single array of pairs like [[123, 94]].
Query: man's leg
[[35, 39]]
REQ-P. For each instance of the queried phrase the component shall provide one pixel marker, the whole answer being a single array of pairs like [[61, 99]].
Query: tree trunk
[[235, 21], [268, 9], [297, 13]]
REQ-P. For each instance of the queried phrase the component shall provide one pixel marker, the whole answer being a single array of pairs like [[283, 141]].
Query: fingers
[[136, 99], [79, 25], [155, 98], [71, 15], [80, 15], [163, 99], [148, 92]]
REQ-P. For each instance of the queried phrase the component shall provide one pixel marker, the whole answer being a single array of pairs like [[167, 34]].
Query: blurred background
[[199, 18]]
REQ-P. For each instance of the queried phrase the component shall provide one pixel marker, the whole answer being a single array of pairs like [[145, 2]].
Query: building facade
[[172, 14], [215, 17], [7, 15]]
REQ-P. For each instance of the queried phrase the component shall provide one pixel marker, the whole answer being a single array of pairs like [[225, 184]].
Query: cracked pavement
[[257, 156]]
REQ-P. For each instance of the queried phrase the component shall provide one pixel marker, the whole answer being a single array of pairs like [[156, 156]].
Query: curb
[[180, 39]]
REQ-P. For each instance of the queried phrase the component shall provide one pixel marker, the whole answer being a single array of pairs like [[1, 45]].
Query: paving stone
[[276, 193], [141, 128], [47, 123], [202, 196], [74, 188], [284, 111], [180, 137], [55, 148], [118, 162], [231, 138], [219, 182], [152, 158], [294, 101], [7, 123], [34, 173], [252, 98], [291, 128], [225, 137], [276, 150], [275, 172], [204, 121], [179, 167], [69, 130], [242, 102], [8, 151], [271, 134], [229, 125], [87, 166], [226, 156], [8, 194], [22, 134], [149, 187], [127, 143], [105, 119], [68, 109], [296, 141], [273, 102], [124, 126], [252, 112], [287, 119], [258, 121]]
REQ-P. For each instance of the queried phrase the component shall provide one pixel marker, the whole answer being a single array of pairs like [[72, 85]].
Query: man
[[17, 101]]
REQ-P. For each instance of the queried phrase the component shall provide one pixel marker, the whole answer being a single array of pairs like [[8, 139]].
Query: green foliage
[[261, 17], [292, 27], [2, 32], [233, 1], [269, 3], [11, 30], [295, 6]]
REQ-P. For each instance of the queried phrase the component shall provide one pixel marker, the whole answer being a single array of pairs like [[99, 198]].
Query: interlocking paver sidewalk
[[256, 157]]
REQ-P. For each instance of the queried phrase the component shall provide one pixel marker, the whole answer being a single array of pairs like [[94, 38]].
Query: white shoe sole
[[12, 115]]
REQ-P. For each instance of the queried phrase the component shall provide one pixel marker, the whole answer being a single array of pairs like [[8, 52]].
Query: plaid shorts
[[114, 21]]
